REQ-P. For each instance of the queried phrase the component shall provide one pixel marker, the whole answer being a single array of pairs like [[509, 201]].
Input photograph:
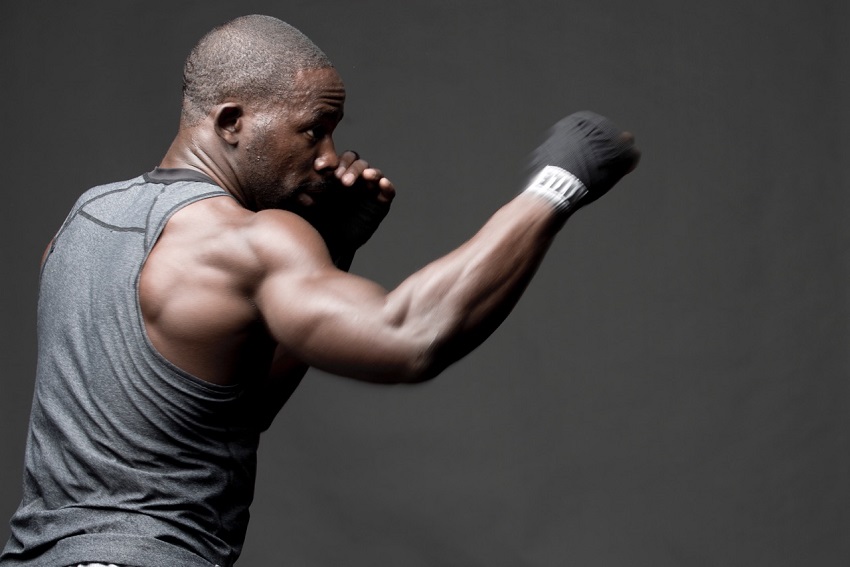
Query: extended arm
[[349, 326]]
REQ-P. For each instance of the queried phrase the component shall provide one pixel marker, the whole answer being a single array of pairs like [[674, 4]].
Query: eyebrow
[[322, 112]]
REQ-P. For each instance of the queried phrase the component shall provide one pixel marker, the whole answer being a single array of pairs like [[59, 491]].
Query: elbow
[[426, 347], [427, 363], [411, 362], [419, 373]]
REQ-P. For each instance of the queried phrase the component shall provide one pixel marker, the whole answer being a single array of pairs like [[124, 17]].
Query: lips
[[320, 191]]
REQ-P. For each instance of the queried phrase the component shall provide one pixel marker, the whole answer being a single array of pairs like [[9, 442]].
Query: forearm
[[456, 302], [350, 326]]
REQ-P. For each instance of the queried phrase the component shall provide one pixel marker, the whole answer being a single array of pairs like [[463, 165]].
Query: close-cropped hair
[[252, 59]]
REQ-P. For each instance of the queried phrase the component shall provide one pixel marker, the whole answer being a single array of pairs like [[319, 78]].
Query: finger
[[349, 176], [348, 159], [387, 190], [372, 174]]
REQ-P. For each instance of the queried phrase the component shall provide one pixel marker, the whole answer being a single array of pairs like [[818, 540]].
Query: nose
[[326, 160]]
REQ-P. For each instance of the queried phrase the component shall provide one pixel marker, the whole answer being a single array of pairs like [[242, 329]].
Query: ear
[[228, 122]]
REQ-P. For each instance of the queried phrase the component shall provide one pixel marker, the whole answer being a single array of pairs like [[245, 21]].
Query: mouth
[[315, 195], [317, 192]]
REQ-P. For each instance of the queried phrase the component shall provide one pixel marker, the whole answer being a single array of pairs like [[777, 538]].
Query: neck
[[188, 151]]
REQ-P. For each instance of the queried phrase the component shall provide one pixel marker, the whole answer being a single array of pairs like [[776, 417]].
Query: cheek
[[289, 160]]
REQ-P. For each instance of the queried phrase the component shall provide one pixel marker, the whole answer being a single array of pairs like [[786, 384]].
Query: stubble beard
[[268, 188], [308, 199]]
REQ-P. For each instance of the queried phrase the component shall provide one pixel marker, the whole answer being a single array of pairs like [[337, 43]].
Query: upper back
[[194, 294], [110, 412]]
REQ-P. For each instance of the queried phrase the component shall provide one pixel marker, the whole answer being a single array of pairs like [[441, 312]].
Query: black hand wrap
[[348, 220], [364, 217], [589, 147]]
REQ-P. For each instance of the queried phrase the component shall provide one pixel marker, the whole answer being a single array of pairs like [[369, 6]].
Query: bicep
[[340, 323], [335, 321]]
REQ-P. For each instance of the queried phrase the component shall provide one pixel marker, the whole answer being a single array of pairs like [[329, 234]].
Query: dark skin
[[246, 289], [212, 327]]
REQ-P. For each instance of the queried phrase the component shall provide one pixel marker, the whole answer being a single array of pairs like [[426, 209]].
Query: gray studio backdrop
[[672, 390]]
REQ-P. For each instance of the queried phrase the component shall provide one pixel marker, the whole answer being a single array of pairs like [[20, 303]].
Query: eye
[[315, 133]]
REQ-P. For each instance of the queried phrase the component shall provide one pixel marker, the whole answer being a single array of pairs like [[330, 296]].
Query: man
[[179, 310]]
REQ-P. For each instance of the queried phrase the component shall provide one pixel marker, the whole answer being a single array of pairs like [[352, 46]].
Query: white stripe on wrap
[[558, 185]]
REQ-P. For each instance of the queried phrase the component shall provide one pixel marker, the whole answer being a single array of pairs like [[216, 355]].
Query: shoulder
[[282, 239], [277, 227], [222, 235], [257, 245]]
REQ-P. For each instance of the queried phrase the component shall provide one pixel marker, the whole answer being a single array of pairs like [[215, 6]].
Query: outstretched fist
[[583, 156]]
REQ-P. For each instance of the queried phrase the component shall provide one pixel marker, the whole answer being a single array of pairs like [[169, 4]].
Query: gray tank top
[[129, 460]]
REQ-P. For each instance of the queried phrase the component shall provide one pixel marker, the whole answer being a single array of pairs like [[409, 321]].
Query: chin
[[305, 200], [313, 194]]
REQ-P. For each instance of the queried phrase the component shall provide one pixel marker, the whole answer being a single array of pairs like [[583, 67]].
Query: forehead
[[317, 90]]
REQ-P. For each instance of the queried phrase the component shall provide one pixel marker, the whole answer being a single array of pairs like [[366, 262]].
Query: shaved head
[[252, 59]]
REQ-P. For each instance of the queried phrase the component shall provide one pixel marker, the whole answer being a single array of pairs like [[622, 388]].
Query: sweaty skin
[[244, 288]]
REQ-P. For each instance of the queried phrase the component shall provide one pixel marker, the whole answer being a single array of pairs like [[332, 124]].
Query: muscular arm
[[349, 326]]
